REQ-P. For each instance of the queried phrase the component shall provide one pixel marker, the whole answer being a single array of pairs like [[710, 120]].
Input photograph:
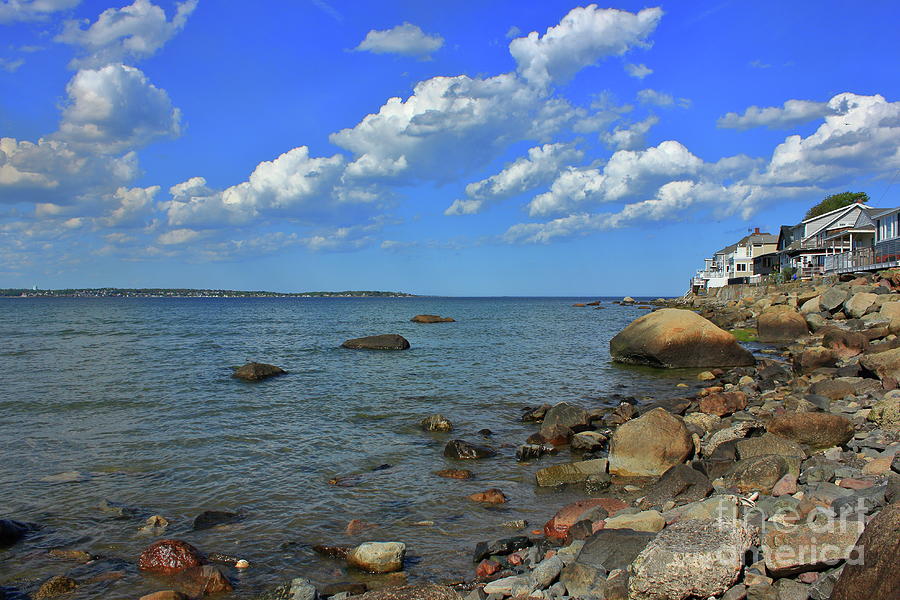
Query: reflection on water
[[131, 400]]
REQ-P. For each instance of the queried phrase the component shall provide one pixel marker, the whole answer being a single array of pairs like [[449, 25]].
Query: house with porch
[[734, 263]]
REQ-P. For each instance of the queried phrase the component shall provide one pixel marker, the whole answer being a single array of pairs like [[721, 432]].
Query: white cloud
[[638, 71], [175, 237], [11, 65], [132, 32], [406, 39], [539, 167], [130, 207], [793, 113], [53, 170], [860, 135], [115, 108], [450, 125], [628, 174], [582, 38], [512, 32], [293, 185], [657, 98], [631, 137], [32, 10]]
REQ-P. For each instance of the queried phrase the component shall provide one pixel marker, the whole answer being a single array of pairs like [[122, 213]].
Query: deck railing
[[857, 259]]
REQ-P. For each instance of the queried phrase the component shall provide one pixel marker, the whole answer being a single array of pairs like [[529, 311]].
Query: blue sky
[[464, 148]]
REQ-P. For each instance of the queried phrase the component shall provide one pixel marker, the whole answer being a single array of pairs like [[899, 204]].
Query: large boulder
[[833, 298], [874, 573], [169, 556], [857, 305], [845, 344], [781, 324], [814, 358], [759, 473], [386, 341], [885, 365], [675, 338], [255, 371], [690, 559], [816, 430], [649, 445]]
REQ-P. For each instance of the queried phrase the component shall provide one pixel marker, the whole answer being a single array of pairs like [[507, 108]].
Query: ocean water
[[135, 397]]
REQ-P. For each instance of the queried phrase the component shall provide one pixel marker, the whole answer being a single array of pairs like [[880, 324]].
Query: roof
[[837, 210]]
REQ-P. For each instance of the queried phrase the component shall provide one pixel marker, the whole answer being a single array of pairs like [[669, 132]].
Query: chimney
[[756, 231]]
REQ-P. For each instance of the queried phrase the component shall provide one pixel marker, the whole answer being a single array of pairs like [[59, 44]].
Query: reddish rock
[[845, 344], [165, 595], [723, 404], [809, 577], [855, 484], [817, 430], [554, 435], [169, 556], [203, 581], [358, 526], [431, 319], [491, 496], [454, 473], [781, 324], [515, 559], [558, 526], [486, 568], [786, 486]]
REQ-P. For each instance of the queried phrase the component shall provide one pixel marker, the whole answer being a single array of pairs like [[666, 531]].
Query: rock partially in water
[[74, 555], [576, 472], [568, 415], [501, 547], [202, 581], [378, 557], [676, 338], [169, 556], [213, 518], [165, 595], [12, 531], [117, 509], [491, 496], [432, 319], [154, 525], [592, 509], [255, 371], [463, 450], [55, 586], [436, 422], [649, 445], [387, 341]]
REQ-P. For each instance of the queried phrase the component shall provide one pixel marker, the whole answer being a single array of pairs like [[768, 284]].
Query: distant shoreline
[[188, 293]]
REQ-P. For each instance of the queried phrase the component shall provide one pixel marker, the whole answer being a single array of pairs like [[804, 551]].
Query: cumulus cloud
[[793, 113], [657, 98], [638, 71], [130, 207], [32, 10], [448, 126], [630, 137], [582, 38], [294, 184], [405, 39], [115, 108], [538, 167], [627, 174], [132, 32]]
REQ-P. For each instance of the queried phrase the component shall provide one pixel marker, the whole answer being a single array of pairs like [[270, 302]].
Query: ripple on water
[[137, 395]]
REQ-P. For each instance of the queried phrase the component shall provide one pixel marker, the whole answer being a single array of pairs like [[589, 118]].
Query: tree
[[836, 201]]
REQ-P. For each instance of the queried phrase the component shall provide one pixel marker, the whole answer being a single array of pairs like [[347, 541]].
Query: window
[[741, 267]]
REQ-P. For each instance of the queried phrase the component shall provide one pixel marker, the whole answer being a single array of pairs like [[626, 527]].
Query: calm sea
[[133, 399]]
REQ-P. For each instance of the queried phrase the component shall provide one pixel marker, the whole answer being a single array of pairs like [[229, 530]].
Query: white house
[[735, 263]]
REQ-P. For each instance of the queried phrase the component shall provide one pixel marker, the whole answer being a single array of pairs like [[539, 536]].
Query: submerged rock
[[436, 423], [255, 371], [387, 341], [212, 518], [55, 586], [675, 338], [12, 531]]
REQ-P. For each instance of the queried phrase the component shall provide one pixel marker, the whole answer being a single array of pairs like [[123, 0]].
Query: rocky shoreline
[[778, 479]]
